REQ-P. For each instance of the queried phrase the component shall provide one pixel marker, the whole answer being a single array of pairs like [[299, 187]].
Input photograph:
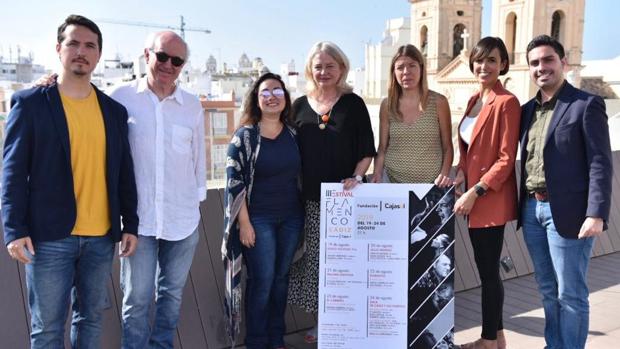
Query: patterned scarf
[[240, 163]]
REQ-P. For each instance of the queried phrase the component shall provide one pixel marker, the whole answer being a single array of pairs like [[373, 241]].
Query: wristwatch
[[479, 190], [358, 178]]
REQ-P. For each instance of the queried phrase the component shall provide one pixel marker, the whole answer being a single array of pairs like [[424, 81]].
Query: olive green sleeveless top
[[414, 153]]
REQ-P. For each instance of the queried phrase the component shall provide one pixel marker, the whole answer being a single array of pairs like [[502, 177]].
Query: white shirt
[[467, 127], [469, 121], [168, 148]]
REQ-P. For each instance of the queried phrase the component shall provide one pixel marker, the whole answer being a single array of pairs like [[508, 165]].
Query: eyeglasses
[[276, 92], [162, 57]]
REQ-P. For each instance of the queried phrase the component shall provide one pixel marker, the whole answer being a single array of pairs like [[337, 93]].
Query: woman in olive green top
[[415, 137]]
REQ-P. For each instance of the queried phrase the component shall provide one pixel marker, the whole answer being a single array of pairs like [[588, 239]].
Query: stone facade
[[446, 30]]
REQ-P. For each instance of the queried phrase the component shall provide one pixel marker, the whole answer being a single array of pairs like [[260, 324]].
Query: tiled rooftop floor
[[523, 315]]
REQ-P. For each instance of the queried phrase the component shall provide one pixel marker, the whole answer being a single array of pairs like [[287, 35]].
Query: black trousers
[[487, 243]]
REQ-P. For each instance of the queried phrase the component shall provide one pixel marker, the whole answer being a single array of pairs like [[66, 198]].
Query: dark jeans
[[487, 243], [268, 264]]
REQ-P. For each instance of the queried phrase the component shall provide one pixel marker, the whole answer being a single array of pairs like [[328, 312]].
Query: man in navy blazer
[[67, 181], [566, 176]]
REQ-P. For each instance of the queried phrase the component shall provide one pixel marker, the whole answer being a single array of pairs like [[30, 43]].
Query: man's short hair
[[84, 22], [544, 40], [149, 44]]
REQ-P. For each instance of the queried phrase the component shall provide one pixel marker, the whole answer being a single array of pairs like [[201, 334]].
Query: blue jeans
[[158, 268], [268, 264], [81, 264], [560, 267]]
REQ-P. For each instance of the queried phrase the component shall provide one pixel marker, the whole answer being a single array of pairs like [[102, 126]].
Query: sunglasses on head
[[276, 92], [162, 57]]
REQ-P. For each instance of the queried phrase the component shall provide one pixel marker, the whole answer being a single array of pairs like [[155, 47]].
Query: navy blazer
[[38, 199], [577, 159]]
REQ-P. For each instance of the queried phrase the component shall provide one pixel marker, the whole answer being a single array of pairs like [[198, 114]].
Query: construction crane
[[182, 28]]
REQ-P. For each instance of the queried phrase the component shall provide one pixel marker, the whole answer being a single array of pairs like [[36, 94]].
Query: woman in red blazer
[[488, 136]]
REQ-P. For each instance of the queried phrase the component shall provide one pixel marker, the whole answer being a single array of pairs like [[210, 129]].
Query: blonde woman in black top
[[336, 144]]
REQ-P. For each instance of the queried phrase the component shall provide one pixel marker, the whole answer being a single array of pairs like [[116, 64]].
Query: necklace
[[322, 120], [323, 105]]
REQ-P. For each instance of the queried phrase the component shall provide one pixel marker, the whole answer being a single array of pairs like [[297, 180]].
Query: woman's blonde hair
[[336, 53], [395, 91]]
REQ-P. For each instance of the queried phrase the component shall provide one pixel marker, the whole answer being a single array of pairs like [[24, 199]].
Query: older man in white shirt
[[166, 135]]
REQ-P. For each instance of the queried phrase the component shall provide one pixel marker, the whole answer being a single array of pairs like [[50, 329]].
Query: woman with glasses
[[415, 129], [488, 136], [337, 145], [264, 215]]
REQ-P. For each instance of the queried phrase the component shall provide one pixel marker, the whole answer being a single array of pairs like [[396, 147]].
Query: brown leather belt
[[540, 195]]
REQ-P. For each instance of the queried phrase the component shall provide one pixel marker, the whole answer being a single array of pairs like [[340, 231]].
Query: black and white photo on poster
[[438, 283], [439, 334], [431, 269], [431, 285], [428, 215], [431, 229]]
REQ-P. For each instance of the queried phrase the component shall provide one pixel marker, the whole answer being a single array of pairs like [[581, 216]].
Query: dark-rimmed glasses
[[163, 57]]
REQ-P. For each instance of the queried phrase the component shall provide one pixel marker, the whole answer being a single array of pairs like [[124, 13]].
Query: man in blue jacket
[[566, 176], [67, 181]]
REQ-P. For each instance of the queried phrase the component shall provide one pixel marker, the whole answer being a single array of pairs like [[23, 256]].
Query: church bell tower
[[518, 22], [442, 28]]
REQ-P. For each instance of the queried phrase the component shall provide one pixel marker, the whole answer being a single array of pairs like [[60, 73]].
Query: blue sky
[[277, 31]]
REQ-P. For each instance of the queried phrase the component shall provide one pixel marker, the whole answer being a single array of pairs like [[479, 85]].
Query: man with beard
[[67, 181], [565, 190]]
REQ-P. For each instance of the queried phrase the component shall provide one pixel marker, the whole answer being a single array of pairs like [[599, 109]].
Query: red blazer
[[490, 157]]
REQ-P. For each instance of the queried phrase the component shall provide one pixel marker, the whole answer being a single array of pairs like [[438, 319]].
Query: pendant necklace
[[324, 119]]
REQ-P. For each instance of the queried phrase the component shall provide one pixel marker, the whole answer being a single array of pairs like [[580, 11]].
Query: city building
[[211, 65], [23, 70], [223, 84], [114, 71], [602, 77], [446, 30], [245, 65], [221, 119], [378, 57], [356, 78]]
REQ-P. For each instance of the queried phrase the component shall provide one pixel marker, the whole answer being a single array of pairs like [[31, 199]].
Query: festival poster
[[386, 266]]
